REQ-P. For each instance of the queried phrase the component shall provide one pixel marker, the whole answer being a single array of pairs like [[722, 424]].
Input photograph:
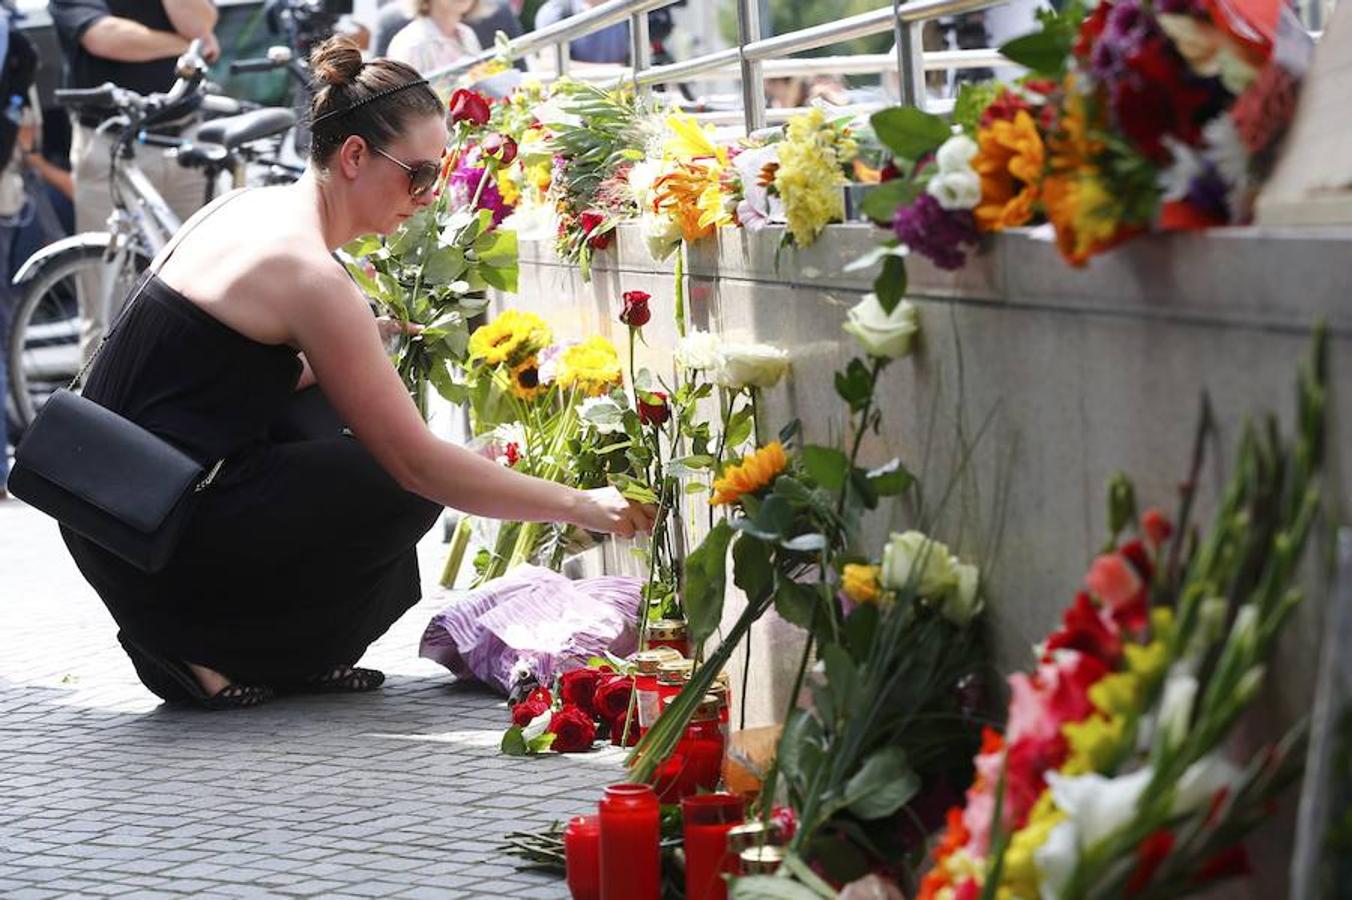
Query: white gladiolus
[[955, 190], [1180, 693]]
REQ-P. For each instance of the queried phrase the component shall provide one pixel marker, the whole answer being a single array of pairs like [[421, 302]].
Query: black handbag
[[103, 476]]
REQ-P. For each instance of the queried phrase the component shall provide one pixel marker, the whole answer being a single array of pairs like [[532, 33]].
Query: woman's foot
[[340, 680], [218, 692]]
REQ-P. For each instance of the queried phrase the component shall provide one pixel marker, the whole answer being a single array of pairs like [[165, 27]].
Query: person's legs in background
[[89, 161], [6, 310]]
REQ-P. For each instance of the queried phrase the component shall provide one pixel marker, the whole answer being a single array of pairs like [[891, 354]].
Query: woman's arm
[[331, 323]]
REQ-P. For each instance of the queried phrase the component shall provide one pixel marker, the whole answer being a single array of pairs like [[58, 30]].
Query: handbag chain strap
[[154, 269]]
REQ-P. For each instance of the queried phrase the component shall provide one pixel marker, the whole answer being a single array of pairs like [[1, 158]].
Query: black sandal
[[341, 680], [174, 682]]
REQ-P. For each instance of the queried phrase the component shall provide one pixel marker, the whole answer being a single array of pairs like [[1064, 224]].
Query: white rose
[[751, 365], [962, 604], [880, 333], [914, 558], [699, 350], [955, 190], [956, 154]]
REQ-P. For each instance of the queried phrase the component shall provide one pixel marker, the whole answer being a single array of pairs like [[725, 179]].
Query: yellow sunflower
[[526, 379], [592, 367], [509, 338], [756, 470], [860, 583]]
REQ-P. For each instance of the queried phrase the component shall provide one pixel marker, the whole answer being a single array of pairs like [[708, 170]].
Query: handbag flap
[[107, 461]]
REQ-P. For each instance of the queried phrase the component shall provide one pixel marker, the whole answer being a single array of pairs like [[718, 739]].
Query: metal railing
[[756, 57]]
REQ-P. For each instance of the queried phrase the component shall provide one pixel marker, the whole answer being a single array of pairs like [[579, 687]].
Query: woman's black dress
[[299, 554]]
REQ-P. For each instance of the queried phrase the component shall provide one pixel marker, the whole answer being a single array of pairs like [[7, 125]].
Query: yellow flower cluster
[[592, 367], [689, 190], [1020, 877], [756, 470], [860, 583], [510, 338], [809, 177]]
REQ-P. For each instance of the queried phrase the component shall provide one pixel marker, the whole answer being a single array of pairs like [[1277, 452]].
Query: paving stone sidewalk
[[106, 792]]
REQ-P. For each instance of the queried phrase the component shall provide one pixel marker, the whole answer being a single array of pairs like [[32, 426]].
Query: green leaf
[[513, 743], [805, 543], [768, 887], [444, 265], [908, 132], [739, 427], [890, 479], [854, 384], [362, 246], [890, 285], [861, 628], [842, 677], [796, 603], [973, 98], [752, 571], [881, 203], [826, 466], [705, 583], [770, 522], [800, 731], [541, 743], [441, 379], [882, 785], [639, 493], [877, 255], [1042, 52], [790, 432]]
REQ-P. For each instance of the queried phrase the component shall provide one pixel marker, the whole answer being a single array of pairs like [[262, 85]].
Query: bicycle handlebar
[[255, 65], [105, 95]]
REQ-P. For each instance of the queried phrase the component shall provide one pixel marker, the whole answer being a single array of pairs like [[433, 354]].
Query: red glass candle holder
[[669, 633], [582, 857], [631, 861], [707, 819], [696, 763]]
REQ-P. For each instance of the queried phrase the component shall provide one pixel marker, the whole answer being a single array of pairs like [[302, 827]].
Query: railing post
[[561, 58], [753, 91], [641, 50], [910, 59]]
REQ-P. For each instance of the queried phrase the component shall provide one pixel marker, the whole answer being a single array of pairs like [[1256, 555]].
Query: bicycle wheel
[[44, 336]]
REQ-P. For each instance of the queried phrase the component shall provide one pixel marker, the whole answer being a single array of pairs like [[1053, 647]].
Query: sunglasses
[[422, 176]]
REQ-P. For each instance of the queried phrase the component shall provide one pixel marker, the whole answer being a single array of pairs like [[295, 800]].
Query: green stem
[[755, 414], [456, 556], [878, 363], [680, 290]]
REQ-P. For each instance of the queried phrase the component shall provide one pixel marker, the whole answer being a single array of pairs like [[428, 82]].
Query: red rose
[[653, 412], [523, 713], [467, 106], [612, 696], [540, 695], [617, 730], [599, 241], [636, 313], [592, 223], [574, 730], [578, 688], [500, 147], [513, 454]]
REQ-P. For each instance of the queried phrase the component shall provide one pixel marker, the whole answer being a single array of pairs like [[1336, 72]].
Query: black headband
[[363, 101]]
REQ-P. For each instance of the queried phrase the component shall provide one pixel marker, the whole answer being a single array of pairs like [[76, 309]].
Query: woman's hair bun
[[337, 61]]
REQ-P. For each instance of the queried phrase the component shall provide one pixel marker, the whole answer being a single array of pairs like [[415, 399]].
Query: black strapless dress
[[300, 553]]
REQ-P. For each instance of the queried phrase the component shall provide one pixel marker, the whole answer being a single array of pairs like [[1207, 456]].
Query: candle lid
[[751, 834], [677, 671], [648, 660], [710, 708], [667, 629], [761, 860]]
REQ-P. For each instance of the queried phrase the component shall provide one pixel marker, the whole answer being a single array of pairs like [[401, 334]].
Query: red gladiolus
[[1114, 580], [468, 106], [500, 147], [573, 729], [635, 313], [1229, 863], [1084, 629], [1156, 526], [968, 890], [523, 713], [1149, 854], [654, 412]]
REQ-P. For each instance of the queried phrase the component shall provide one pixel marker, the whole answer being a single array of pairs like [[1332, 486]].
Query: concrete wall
[[1080, 373]]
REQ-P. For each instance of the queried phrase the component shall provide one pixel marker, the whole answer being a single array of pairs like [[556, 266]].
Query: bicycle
[[44, 341]]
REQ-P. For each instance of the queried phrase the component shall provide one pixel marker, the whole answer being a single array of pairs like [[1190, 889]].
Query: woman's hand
[[606, 509]]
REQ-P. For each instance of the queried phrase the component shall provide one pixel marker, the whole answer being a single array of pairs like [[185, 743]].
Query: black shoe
[[339, 680], [174, 682]]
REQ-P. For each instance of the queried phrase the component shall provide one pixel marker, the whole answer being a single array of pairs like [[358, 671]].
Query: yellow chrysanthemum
[[592, 367], [1009, 161], [509, 338], [809, 177], [860, 583], [1019, 876], [526, 379], [756, 470], [1094, 743]]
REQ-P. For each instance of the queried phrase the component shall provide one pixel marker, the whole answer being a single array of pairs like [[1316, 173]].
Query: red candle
[[707, 819], [696, 764], [669, 633], [631, 861], [582, 857]]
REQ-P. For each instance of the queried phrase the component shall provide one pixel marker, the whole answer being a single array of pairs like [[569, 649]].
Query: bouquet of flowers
[[1111, 777], [587, 705]]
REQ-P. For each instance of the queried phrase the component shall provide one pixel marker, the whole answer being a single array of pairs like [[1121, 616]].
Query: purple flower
[[932, 231], [1209, 193], [1124, 31], [465, 182]]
